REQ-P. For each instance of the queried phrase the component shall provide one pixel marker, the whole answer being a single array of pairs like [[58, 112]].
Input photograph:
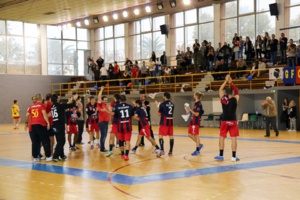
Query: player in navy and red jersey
[[194, 126], [123, 112], [142, 116], [72, 127], [114, 126], [229, 124], [48, 105], [165, 111], [92, 112]]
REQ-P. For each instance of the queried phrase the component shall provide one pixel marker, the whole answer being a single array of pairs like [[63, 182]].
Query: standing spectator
[[266, 45], [128, 64], [15, 111], [164, 59], [80, 120], [135, 75], [152, 67], [103, 74], [293, 116], [143, 72], [283, 45], [111, 71], [270, 113], [158, 69], [39, 125], [223, 67], [258, 46], [91, 68], [298, 53], [153, 56], [203, 58], [236, 46], [197, 55], [284, 118], [241, 45], [116, 70], [178, 57], [96, 73], [248, 48], [189, 55], [126, 75], [100, 62], [274, 44], [183, 62], [211, 58], [291, 53]]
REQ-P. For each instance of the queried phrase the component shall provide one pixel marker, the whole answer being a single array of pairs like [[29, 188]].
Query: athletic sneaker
[[98, 145], [195, 153], [201, 146], [117, 145], [170, 153], [219, 158], [64, 158], [41, 157], [133, 151], [92, 146], [56, 159], [109, 153], [125, 157], [235, 159], [36, 160], [48, 159], [156, 151]]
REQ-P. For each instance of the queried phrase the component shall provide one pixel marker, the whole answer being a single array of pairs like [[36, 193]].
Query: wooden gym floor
[[269, 169]]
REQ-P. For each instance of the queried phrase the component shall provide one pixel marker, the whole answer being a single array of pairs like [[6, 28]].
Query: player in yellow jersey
[[16, 114]]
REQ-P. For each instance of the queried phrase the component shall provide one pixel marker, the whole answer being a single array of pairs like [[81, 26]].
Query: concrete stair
[[205, 81]]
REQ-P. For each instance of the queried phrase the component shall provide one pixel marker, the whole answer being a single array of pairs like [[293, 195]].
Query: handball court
[[269, 169]]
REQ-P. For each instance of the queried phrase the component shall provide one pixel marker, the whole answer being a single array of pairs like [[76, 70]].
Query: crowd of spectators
[[240, 55]]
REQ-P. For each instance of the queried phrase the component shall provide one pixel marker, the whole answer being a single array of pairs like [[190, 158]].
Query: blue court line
[[133, 180]]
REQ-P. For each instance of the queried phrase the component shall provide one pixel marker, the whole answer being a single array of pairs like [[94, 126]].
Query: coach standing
[[39, 125], [270, 113], [58, 114]]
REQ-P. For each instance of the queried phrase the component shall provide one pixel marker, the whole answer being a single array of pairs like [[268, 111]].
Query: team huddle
[[45, 120]]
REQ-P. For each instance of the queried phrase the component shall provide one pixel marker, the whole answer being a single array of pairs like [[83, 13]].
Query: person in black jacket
[[248, 48], [274, 44], [58, 114], [293, 116]]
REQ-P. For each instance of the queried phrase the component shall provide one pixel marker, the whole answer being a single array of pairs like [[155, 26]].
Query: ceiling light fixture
[[96, 20], [86, 22], [136, 11], [160, 5], [186, 2], [148, 9], [115, 16], [69, 25], [173, 3], [105, 18], [125, 14], [78, 24]]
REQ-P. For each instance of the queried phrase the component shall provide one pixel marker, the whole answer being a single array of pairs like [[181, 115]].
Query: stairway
[[205, 81]]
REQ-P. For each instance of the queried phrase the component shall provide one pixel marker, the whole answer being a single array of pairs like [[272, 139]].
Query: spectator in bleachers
[[236, 46], [223, 68], [135, 74], [164, 59], [248, 48], [167, 74], [274, 44], [153, 56], [283, 45], [254, 68], [183, 62], [158, 69], [217, 69], [178, 57], [298, 54], [116, 70], [266, 45], [96, 73], [189, 56], [211, 58], [143, 72], [126, 76], [291, 53], [197, 55], [173, 72], [241, 45], [128, 64], [91, 67], [103, 74], [111, 71], [240, 65], [203, 57], [258, 46], [100, 62], [261, 67]]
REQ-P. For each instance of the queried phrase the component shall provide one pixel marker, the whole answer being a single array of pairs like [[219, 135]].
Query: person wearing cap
[[270, 110]]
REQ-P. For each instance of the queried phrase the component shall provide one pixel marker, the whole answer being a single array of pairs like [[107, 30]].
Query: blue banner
[[289, 75]]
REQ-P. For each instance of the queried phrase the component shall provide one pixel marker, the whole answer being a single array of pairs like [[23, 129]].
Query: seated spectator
[[143, 72], [167, 74], [254, 68], [217, 69], [240, 65], [126, 76], [223, 68], [261, 67]]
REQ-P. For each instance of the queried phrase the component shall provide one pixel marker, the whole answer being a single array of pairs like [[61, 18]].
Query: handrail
[[176, 82]]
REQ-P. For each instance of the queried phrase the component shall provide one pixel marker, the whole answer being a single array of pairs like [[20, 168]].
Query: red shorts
[[124, 136], [72, 129], [16, 117], [145, 131], [194, 129], [230, 126], [165, 130], [93, 127], [114, 129]]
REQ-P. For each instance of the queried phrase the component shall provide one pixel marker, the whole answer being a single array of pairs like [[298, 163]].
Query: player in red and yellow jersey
[[15, 110]]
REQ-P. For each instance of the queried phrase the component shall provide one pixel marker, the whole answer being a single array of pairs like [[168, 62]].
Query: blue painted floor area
[[133, 180]]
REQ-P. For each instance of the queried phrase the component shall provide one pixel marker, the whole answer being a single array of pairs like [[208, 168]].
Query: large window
[[66, 50], [247, 18], [110, 43], [190, 25], [20, 48], [292, 9], [146, 37]]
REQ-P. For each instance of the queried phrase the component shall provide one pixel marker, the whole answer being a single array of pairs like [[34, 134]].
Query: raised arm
[[100, 94], [221, 90], [234, 88]]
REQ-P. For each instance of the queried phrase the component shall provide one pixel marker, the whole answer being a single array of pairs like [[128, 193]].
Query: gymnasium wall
[[22, 88]]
